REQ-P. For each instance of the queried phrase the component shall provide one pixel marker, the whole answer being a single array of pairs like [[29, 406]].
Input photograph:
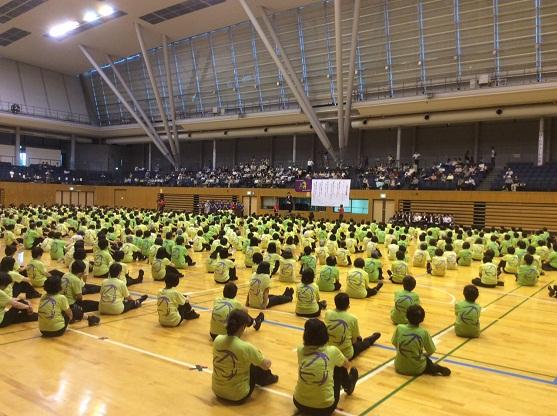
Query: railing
[[41, 112]]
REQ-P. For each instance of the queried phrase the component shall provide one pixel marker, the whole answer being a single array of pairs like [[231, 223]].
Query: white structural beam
[[72, 152], [130, 109], [171, 97], [128, 91], [214, 154], [155, 88], [294, 139], [340, 80], [541, 137], [17, 147], [351, 70], [288, 72]]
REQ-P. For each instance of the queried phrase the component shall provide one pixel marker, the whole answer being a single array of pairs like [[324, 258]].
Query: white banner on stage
[[330, 192]]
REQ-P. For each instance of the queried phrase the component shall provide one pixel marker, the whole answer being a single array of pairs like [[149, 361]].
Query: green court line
[[442, 330], [406, 383]]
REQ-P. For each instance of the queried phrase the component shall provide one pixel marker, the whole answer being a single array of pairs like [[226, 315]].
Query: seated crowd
[[302, 256]]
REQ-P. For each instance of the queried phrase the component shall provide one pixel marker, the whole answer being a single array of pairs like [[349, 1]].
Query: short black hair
[[5, 279], [359, 263], [528, 259], [264, 268], [409, 283], [415, 314], [53, 285], [230, 290], [115, 269], [331, 261], [342, 301], [78, 266], [118, 255], [236, 320], [257, 258], [471, 293], [315, 333], [37, 252], [400, 255], [308, 276], [438, 252]]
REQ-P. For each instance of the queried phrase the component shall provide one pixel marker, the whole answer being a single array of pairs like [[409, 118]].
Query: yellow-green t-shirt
[[102, 262], [357, 283], [287, 270], [113, 293], [72, 286], [158, 268], [36, 272], [316, 366], [222, 270], [5, 299], [307, 299], [259, 282], [232, 359], [222, 308], [51, 312], [343, 330], [167, 306]]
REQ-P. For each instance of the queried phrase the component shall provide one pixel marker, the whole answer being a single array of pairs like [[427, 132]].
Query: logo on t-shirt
[[314, 368]]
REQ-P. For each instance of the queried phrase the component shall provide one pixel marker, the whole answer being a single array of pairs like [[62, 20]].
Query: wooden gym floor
[[131, 365]]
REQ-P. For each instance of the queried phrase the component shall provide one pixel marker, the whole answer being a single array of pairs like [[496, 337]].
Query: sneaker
[[258, 321], [500, 283], [374, 337], [192, 315], [353, 377], [379, 286], [444, 371], [272, 379], [93, 320], [140, 275], [551, 291], [142, 298]]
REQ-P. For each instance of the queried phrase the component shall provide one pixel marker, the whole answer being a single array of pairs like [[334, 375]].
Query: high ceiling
[[116, 37]]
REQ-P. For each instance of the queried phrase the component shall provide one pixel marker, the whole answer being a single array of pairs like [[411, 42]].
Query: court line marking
[[402, 386], [453, 298], [182, 363]]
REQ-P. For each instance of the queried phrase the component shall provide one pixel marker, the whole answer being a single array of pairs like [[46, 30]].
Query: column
[[477, 131], [214, 154], [150, 157], [72, 152], [398, 145], [540, 141], [294, 149], [17, 145], [548, 139], [360, 142]]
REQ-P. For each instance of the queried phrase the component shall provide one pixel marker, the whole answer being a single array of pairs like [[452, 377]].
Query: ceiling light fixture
[[106, 10], [63, 28], [90, 16]]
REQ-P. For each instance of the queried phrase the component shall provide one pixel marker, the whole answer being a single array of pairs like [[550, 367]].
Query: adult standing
[[493, 154], [161, 203], [289, 203], [310, 166], [416, 158], [341, 212]]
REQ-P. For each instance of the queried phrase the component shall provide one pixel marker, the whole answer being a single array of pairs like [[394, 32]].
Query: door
[[119, 197], [383, 210], [250, 204]]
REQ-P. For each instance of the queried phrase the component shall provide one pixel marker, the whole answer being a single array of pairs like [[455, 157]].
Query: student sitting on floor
[[224, 306], [115, 298], [309, 261], [465, 255], [344, 331], [451, 257], [259, 286], [180, 256], [509, 263], [477, 250], [225, 270], [489, 275], [20, 284], [410, 341], [250, 251], [421, 256], [403, 300], [125, 276], [399, 269], [287, 267], [438, 265], [322, 372], [307, 294], [329, 276], [172, 306], [467, 312], [238, 366], [357, 282], [343, 255], [102, 260], [528, 274], [72, 288], [374, 268], [20, 311]]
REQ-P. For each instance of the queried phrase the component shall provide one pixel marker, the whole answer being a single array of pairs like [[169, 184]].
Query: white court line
[[183, 364], [453, 298]]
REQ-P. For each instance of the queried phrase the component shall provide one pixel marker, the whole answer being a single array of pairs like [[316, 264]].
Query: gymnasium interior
[[223, 125]]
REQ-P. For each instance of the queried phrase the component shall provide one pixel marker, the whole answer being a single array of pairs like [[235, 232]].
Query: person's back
[[451, 257], [477, 250], [328, 276], [399, 268], [232, 360], [403, 300], [51, 312], [528, 273], [113, 293], [287, 269], [465, 255], [259, 283], [168, 300], [421, 257], [222, 270], [102, 260], [222, 308], [511, 263], [342, 328], [372, 267], [488, 273], [438, 264], [467, 314], [356, 283]]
